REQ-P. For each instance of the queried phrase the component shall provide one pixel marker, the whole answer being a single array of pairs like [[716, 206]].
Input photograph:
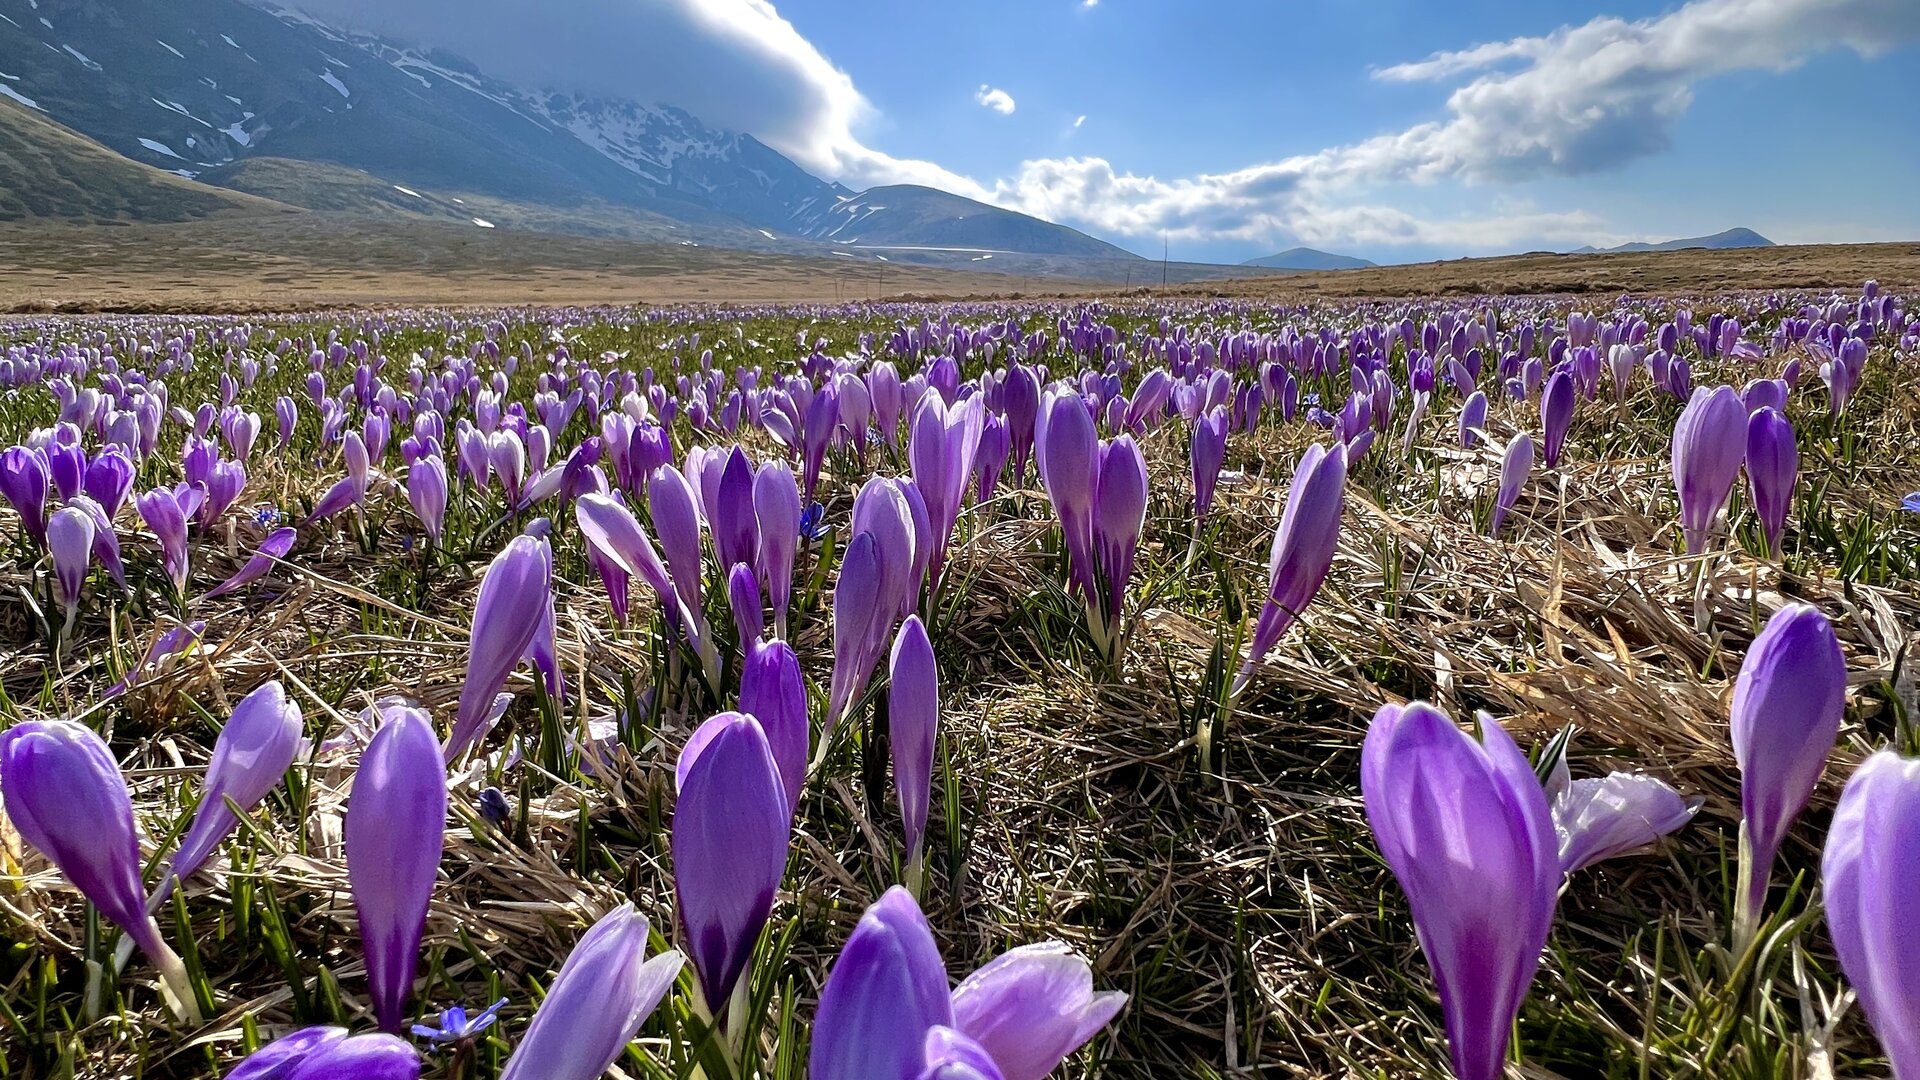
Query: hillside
[[1302, 258], [907, 215], [48, 172], [1731, 238]]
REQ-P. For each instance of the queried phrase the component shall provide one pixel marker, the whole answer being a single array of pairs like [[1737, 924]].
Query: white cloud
[[994, 98], [1579, 100], [737, 64], [1078, 120], [1089, 3]]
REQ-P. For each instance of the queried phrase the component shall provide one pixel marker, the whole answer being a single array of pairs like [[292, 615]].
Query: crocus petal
[[395, 828], [272, 549], [913, 723], [886, 990], [250, 756], [1869, 875], [604, 991], [729, 849], [1031, 1006], [515, 600], [1597, 819]]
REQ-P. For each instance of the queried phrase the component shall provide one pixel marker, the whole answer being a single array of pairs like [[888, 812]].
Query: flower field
[[1468, 688]]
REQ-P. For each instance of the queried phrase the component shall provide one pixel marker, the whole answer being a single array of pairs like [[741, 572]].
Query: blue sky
[[1391, 129]]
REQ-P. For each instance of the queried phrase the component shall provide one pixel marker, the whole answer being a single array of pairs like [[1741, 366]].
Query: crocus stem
[[916, 874], [736, 1022], [176, 989], [1751, 896]]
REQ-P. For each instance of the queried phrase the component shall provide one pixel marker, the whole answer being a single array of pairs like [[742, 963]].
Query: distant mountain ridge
[[1305, 258], [1731, 238], [237, 92]]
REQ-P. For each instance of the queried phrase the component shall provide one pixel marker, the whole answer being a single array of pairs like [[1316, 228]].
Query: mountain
[[1732, 238], [908, 216], [53, 173], [1301, 258], [270, 101]]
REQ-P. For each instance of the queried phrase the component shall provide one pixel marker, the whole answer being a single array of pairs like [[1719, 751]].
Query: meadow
[[1157, 687]]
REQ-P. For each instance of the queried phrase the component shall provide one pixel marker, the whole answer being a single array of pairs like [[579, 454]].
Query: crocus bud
[[1465, 828], [1709, 443], [1207, 452], [743, 596], [274, 547], [730, 826], [604, 991], [1067, 450], [162, 513], [427, 492], [857, 609], [68, 800], [70, 538], [1556, 414], [676, 521], [395, 828], [110, 478], [329, 1053], [913, 726], [772, 692], [1869, 876], [1302, 553], [776, 509], [1515, 464], [24, 483], [1120, 511], [251, 755], [1773, 464], [515, 600], [1473, 420], [1787, 704], [942, 445]]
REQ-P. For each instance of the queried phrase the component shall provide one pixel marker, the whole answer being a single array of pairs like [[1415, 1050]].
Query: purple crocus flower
[[427, 493], [68, 800], [70, 539], [613, 533], [1120, 512], [395, 828], [515, 600], [1208, 452], [776, 509], [913, 725], [1773, 464], [886, 1011], [941, 446], [1302, 554], [161, 510], [1067, 451], [109, 480], [272, 549], [1556, 414], [749, 616], [250, 757], [990, 461], [1515, 464], [1787, 704], [1709, 444], [1465, 827], [66, 466], [604, 991], [24, 483], [329, 1053], [732, 522], [730, 826], [1473, 420], [1869, 875], [1604, 817], [859, 604], [773, 692], [676, 521]]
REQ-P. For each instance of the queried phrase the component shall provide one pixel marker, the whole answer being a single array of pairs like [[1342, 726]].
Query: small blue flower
[[1320, 417], [456, 1026], [1911, 504], [813, 522], [493, 806], [267, 516], [406, 542]]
